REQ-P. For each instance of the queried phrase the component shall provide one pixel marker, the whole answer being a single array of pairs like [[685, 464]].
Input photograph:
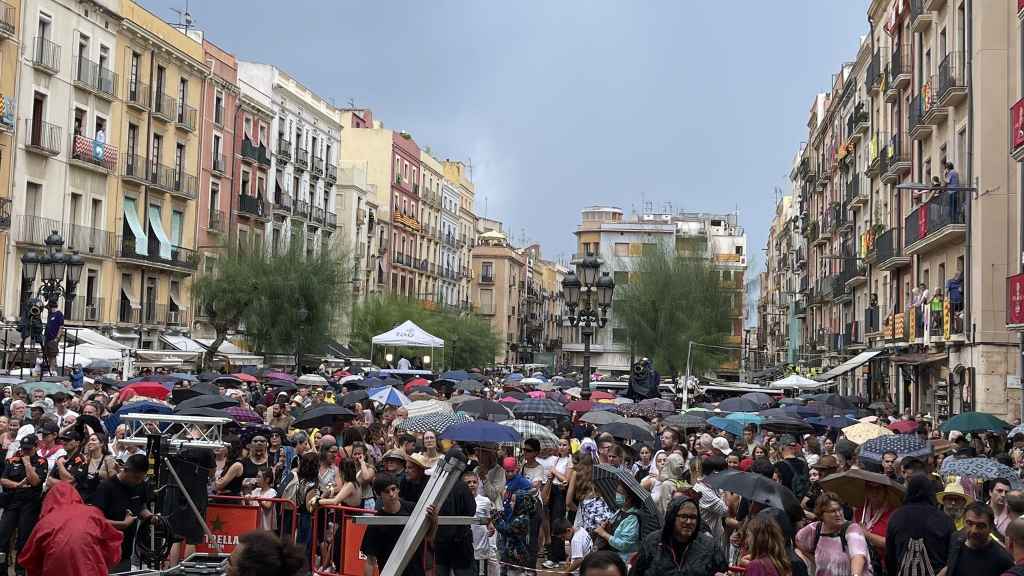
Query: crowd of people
[[544, 504]]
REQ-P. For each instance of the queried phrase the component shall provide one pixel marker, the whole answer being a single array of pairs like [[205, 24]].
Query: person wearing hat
[[792, 470], [49, 447], [393, 463], [721, 445], [36, 412], [54, 327], [954, 500], [22, 482], [415, 479]]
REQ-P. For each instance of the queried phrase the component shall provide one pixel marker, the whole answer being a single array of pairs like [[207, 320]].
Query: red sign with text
[[1017, 124], [227, 523], [1015, 299]]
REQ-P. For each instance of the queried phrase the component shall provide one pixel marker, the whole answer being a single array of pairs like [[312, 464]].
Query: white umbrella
[[421, 407], [352, 378], [311, 380], [796, 381]]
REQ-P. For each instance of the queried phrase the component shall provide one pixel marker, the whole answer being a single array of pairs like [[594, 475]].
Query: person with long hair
[[229, 483], [591, 509], [328, 475], [306, 494], [89, 465], [560, 470], [766, 548], [430, 450], [838, 548], [365, 474]]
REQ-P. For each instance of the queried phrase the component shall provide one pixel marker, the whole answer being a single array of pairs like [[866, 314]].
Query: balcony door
[[38, 111], [133, 77]]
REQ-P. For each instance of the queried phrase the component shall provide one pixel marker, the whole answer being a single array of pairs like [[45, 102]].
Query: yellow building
[[10, 39]]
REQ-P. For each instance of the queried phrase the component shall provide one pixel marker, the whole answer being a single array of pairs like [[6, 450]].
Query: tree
[[670, 300], [469, 339], [287, 303]]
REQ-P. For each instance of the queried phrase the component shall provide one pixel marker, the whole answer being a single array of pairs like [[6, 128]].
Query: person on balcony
[[936, 312], [955, 289], [953, 194]]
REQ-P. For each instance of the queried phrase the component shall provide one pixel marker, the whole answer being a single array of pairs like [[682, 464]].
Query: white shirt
[[581, 544], [404, 364], [267, 517], [481, 541], [61, 419]]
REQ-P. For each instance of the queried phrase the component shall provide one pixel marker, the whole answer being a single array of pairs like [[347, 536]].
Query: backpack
[[842, 536], [801, 483], [915, 561]]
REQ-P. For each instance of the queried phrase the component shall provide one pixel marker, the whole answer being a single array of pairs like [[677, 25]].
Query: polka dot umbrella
[[901, 444]]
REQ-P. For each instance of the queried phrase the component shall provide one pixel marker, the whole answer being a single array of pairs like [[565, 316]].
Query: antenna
[[351, 103], [184, 17], [469, 167]]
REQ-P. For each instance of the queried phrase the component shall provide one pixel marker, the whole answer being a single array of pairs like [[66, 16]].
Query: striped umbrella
[[422, 407], [528, 429], [540, 407]]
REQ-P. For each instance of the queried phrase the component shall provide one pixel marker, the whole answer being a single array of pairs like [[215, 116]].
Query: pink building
[[251, 203], [217, 164]]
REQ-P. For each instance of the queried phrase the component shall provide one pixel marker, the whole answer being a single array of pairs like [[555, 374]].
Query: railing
[[91, 76], [8, 16], [871, 324], [301, 157], [46, 54], [84, 309], [486, 278], [302, 209], [853, 187], [900, 65], [137, 94], [128, 314], [86, 240], [874, 71], [282, 200], [165, 107], [851, 333], [173, 180], [255, 153], [332, 220], [899, 150], [943, 210], [180, 257], [317, 214], [952, 77], [5, 213], [42, 136], [135, 167], [857, 117], [318, 166], [219, 163], [332, 173], [216, 221], [252, 205], [186, 117], [916, 117], [284, 148], [887, 245], [94, 152]]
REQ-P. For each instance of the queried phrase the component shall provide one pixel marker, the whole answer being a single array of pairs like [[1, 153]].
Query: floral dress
[[514, 529]]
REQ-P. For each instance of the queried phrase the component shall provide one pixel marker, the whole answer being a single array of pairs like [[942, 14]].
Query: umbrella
[[510, 400], [454, 375], [636, 410], [48, 387], [982, 469], [775, 412], [760, 398], [602, 395], [786, 425], [882, 405], [528, 429], [353, 379], [531, 381], [904, 426], [745, 418], [900, 444], [148, 389], [485, 409], [10, 380], [516, 394], [515, 377], [278, 375], [282, 384], [142, 407], [832, 422], [320, 416], [469, 385], [688, 420], [755, 488], [580, 406], [353, 397], [416, 382], [851, 485], [627, 431], [791, 402], [244, 415], [1015, 431], [207, 376], [540, 407], [207, 401], [738, 405], [388, 395], [607, 478], [733, 427], [207, 412], [436, 421], [481, 431], [311, 380], [862, 432], [974, 422], [454, 400], [245, 377], [833, 399], [536, 394], [422, 407], [601, 417], [659, 405]]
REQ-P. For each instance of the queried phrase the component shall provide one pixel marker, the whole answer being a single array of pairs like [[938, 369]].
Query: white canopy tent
[[409, 335], [797, 382]]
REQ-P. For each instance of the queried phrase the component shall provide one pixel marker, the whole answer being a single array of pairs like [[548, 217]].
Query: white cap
[[722, 445]]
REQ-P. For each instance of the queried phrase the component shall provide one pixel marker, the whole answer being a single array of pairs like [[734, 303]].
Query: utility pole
[[686, 384]]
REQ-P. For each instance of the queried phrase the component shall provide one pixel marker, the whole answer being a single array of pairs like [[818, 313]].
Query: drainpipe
[[10, 249], [968, 324]]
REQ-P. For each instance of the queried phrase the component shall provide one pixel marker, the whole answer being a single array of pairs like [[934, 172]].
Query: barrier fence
[[335, 541], [228, 517]]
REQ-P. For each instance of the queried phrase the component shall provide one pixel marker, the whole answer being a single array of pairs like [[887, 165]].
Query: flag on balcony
[[7, 111]]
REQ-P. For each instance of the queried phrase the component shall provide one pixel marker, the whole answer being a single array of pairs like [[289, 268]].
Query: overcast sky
[[565, 103]]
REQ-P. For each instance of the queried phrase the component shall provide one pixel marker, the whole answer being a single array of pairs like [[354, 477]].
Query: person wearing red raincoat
[[70, 539]]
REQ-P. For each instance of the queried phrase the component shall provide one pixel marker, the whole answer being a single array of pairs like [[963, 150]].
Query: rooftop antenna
[[185, 20], [351, 103], [469, 167]]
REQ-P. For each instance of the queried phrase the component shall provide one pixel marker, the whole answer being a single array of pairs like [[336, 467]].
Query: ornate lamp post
[[588, 294], [59, 272]]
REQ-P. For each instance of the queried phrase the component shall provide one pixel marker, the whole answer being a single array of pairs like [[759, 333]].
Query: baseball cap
[[787, 440], [49, 427], [510, 464], [29, 441], [722, 445]]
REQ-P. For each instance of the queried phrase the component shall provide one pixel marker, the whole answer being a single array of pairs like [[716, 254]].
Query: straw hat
[[954, 488]]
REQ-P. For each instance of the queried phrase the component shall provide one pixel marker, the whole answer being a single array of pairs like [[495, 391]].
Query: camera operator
[[122, 499], [23, 488]]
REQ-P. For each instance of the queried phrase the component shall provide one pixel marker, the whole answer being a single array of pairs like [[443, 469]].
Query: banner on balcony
[[7, 109], [1015, 293], [946, 319]]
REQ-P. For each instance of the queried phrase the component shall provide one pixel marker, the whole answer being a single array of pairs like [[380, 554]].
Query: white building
[[449, 263]]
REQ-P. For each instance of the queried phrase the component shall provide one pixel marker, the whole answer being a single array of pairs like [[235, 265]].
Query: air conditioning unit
[[92, 313]]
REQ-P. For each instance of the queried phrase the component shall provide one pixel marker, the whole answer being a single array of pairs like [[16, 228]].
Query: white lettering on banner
[[222, 539]]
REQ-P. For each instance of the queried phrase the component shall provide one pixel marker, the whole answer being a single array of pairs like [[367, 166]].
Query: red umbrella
[[414, 383], [580, 406], [601, 395], [148, 389], [536, 394], [510, 400], [904, 426], [245, 377]]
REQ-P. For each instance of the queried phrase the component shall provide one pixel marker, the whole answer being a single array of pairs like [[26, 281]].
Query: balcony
[[932, 113], [317, 169], [216, 221], [251, 206], [874, 155], [887, 251], [5, 213], [165, 108], [46, 55], [219, 163], [137, 95], [186, 117], [898, 158], [839, 291], [900, 72], [179, 258], [871, 325], [855, 195], [952, 88], [42, 137], [857, 123], [316, 215], [331, 220], [873, 75], [282, 201], [936, 223], [799, 310], [331, 175], [407, 221], [920, 17], [88, 241], [301, 158], [93, 154], [284, 149], [855, 272], [84, 309], [1017, 130], [254, 153], [8, 18], [918, 127], [301, 209], [851, 335], [93, 77], [168, 179], [135, 169]]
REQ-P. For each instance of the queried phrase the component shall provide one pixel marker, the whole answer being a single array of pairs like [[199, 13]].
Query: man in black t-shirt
[[791, 464], [379, 541], [973, 551], [122, 501]]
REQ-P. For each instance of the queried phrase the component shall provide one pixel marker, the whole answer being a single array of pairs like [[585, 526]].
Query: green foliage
[[469, 340], [287, 302], [669, 301]]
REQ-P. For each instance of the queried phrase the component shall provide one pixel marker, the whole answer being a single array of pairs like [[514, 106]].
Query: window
[[621, 278], [487, 272], [486, 301], [158, 144], [218, 162], [218, 108], [161, 76], [247, 127], [182, 99], [634, 249], [620, 336], [133, 142], [133, 77], [214, 195], [622, 249], [649, 249], [244, 187], [263, 134], [261, 186], [739, 250]]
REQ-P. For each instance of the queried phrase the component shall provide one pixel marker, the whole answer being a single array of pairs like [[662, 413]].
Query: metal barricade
[[228, 517], [335, 541]]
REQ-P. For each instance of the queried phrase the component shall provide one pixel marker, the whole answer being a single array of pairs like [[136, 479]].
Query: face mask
[[620, 499]]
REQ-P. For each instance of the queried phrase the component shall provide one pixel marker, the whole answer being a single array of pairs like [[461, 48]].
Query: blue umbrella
[[981, 468], [745, 418], [899, 444], [185, 376], [144, 407], [733, 427], [454, 375], [481, 431], [388, 395], [738, 405], [515, 377], [832, 422]]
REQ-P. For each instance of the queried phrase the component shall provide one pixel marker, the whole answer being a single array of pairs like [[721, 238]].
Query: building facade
[[499, 272]]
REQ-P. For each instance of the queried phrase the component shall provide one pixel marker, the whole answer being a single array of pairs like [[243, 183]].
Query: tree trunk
[[214, 346]]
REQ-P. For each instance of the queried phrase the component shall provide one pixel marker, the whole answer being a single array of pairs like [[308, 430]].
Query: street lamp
[[59, 273], [588, 295]]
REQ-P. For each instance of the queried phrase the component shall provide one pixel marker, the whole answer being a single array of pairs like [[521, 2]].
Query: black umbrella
[[627, 431], [282, 385], [203, 411], [485, 409], [760, 398], [321, 416], [516, 394], [786, 425], [470, 385], [540, 407], [179, 395], [756, 488], [207, 376], [688, 420], [738, 405], [833, 399], [354, 396], [228, 381], [607, 479], [207, 401]]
